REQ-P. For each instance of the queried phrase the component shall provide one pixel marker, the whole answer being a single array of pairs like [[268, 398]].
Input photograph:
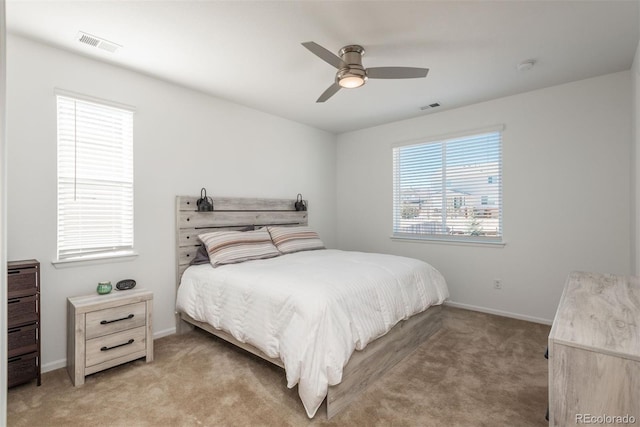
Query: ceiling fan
[[351, 74]]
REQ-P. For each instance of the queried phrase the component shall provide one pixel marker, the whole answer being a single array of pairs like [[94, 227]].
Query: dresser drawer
[[22, 310], [22, 282], [22, 340], [22, 369], [111, 320], [120, 344]]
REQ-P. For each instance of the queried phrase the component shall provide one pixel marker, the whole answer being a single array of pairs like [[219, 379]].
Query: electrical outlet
[[497, 284]]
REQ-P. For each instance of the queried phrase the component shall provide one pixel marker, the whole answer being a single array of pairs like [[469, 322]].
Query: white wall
[[3, 212], [183, 140], [566, 193], [635, 221]]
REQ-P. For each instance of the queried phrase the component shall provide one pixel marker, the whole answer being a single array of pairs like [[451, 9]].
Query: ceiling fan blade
[[324, 54], [331, 90], [396, 72]]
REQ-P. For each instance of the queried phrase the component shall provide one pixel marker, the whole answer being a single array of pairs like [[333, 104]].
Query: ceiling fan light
[[351, 82], [351, 77]]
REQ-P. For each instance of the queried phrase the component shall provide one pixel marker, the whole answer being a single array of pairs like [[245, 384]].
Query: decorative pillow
[[202, 256], [229, 247], [295, 239]]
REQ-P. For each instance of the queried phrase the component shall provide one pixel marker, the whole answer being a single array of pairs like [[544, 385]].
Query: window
[[449, 189], [95, 179]]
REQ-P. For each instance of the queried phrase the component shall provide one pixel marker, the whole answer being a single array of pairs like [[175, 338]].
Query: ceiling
[[249, 52]]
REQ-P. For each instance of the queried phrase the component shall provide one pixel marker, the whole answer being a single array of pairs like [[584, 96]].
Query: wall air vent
[[430, 106], [97, 42]]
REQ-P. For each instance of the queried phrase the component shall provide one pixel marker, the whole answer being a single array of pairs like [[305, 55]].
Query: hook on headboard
[[204, 203], [300, 204]]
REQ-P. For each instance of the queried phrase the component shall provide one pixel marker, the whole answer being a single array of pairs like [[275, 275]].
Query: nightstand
[[108, 330]]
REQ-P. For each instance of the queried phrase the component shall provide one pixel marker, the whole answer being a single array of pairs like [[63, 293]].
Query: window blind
[[449, 189], [95, 178]]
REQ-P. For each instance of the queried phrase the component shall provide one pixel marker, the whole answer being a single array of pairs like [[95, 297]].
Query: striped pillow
[[229, 247], [295, 239]]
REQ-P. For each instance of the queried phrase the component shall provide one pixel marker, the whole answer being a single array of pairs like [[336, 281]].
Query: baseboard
[[62, 363], [164, 333], [52, 366], [499, 312]]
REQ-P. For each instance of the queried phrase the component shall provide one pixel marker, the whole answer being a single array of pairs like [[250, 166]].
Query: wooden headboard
[[230, 213]]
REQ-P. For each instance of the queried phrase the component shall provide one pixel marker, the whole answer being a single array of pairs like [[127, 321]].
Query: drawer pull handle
[[106, 322], [105, 348], [13, 301], [14, 359]]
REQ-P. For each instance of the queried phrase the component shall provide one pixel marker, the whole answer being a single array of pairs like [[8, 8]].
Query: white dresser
[[594, 352]]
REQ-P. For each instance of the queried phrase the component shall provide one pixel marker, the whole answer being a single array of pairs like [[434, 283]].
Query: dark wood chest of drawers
[[23, 321]]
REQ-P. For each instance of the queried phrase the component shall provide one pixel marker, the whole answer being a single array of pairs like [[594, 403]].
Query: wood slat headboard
[[230, 213]]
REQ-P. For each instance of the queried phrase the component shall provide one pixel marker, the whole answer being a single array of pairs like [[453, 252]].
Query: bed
[[334, 320]]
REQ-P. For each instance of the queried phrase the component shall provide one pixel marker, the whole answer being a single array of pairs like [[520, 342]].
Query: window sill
[[450, 241], [95, 259]]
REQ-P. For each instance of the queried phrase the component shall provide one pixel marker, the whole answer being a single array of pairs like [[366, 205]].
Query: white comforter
[[311, 309]]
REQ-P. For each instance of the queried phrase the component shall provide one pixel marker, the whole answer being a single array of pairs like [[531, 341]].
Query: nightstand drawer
[[22, 340], [22, 369], [22, 310], [22, 282], [111, 320], [113, 346]]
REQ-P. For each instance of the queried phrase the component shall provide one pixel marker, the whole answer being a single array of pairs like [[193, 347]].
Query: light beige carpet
[[480, 370]]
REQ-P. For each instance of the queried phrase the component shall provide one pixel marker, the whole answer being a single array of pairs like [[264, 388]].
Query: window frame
[[103, 256], [497, 241]]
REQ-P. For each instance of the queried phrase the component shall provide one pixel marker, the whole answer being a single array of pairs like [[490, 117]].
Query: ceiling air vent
[[430, 106], [97, 42]]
